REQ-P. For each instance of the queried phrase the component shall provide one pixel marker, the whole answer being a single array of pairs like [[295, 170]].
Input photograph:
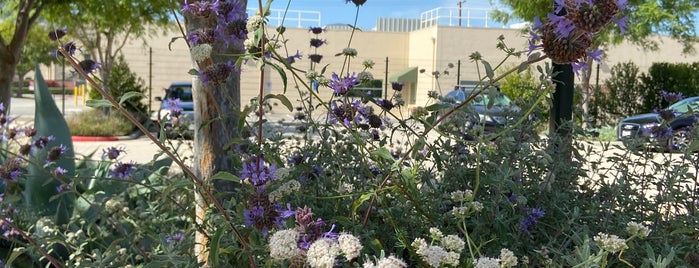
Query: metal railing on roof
[[454, 16], [291, 18]]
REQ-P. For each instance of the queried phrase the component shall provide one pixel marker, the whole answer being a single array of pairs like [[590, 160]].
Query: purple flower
[[112, 152], [341, 86], [201, 36], [347, 112], [89, 66], [59, 171], [7, 226], [330, 234], [123, 170], [258, 173], [62, 187], [174, 239], [291, 59], [41, 142], [174, 108], [217, 74], [315, 58], [316, 30], [69, 48], [58, 33], [671, 97], [231, 32], [315, 42], [665, 114], [532, 217], [397, 86], [385, 104], [56, 152], [356, 2], [11, 168]]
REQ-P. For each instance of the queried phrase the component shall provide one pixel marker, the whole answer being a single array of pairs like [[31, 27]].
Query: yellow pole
[[75, 95]]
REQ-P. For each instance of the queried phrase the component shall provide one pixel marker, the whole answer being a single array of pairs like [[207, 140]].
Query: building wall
[[431, 49]]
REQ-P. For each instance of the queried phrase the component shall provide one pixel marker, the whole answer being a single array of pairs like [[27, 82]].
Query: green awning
[[407, 75]]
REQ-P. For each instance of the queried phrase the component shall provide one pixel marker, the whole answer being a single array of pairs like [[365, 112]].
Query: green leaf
[[98, 103], [172, 41], [439, 106], [214, 247], [226, 176], [285, 101], [418, 147], [40, 185], [382, 153], [193, 72], [282, 74], [363, 198], [488, 70], [129, 95]]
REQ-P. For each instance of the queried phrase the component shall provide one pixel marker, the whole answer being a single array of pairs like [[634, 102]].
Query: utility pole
[[459, 4]]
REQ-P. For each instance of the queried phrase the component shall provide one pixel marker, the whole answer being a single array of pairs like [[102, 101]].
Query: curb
[[94, 138]]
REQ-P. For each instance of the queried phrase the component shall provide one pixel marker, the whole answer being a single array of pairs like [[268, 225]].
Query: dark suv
[[176, 112], [651, 130]]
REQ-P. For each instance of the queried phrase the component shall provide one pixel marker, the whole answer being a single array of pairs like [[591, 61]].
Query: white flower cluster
[[322, 252], [349, 245], [462, 196], [114, 205], [311, 74], [611, 243], [467, 206], [637, 229], [201, 52], [368, 64], [283, 244], [348, 51], [467, 209], [447, 253], [254, 23], [507, 259], [284, 190], [386, 262], [365, 76], [486, 262]]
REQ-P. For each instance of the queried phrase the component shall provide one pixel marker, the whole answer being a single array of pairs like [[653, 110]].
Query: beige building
[[397, 55]]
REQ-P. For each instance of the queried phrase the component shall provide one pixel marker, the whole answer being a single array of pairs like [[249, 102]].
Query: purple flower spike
[[123, 170], [58, 33], [112, 153]]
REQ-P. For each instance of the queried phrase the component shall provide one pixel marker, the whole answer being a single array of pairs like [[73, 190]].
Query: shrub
[[123, 81], [95, 123], [623, 94]]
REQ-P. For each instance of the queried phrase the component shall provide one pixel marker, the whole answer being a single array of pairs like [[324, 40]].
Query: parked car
[[651, 131], [178, 99], [477, 112]]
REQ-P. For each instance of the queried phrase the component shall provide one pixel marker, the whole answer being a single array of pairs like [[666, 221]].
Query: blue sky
[[336, 11]]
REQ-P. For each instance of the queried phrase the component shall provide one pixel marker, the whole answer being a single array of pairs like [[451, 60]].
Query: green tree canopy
[[104, 27]]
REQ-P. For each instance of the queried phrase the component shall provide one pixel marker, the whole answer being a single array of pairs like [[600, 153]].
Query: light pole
[[459, 4]]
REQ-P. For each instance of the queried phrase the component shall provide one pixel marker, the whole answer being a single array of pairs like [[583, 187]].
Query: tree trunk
[[585, 76], [27, 13], [8, 71], [216, 113]]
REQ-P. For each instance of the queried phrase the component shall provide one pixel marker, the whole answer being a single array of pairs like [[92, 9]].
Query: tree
[[645, 18], [215, 42], [104, 27], [25, 14], [38, 49]]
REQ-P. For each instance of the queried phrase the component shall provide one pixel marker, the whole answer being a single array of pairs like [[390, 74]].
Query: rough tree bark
[[10, 50], [216, 113]]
